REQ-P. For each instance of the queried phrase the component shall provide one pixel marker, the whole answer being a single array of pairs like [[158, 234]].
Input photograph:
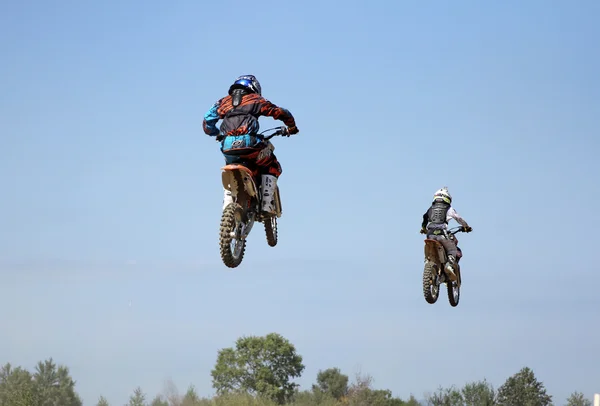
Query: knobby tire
[[227, 227], [428, 281]]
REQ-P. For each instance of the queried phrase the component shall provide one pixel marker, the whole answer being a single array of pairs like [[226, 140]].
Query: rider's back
[[243, 119]]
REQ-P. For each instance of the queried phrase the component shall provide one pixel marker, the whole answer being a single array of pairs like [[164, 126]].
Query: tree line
[[259, 371]]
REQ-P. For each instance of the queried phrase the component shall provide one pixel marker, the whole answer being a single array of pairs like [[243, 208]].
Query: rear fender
[[239, 179], [434, 251]]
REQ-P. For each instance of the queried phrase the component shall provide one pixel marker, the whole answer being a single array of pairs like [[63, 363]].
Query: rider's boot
[[268, 183], [450, 268], [227, 198]]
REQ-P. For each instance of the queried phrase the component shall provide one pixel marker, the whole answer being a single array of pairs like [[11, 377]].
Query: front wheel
[[232, 246], [454, 290], [453, 293], [271, 231], [431, 289]]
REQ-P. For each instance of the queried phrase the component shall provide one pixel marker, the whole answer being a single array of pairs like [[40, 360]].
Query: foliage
[[190, 398], [361, 393], [103, 402], [412, 401], [54, 385], [332, 382], [17, 387], [138, 398], [262, 366], [314, 398], [577, 399], [49, 385], [524, 389], [159, 401], [259, 372], [446, 397], [479, 393]]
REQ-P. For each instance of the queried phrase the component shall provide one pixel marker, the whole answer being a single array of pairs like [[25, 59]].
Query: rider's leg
[[227, 198], [458, 254], [270, 172], [451, 250], [449, 245]]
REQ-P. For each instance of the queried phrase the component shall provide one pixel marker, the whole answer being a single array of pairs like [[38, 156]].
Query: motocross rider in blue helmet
[[240, 111]]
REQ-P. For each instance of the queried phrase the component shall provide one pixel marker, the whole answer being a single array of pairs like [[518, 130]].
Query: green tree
[[577, 399], [138, 398], [445, 397], [191, 398], [54, 385], [361, 393], [479, 393], [258, 365], [331, 382], [239, 399], [523, 389], [312, 398], [102, 401], [412, 401], [159, 401], [17, 387]]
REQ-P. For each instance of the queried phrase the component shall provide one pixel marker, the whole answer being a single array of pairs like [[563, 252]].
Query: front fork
[[457, 272], [245, 226]]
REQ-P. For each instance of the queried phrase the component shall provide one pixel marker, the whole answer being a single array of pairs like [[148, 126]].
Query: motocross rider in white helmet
[[435, 224]]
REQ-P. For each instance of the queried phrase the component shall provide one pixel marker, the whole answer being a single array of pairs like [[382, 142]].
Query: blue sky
[[112, 194]]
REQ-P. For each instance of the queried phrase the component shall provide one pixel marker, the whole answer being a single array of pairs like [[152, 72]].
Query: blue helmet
[[247, 82]]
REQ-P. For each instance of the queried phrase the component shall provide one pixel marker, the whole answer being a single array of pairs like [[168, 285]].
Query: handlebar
[[283, 130], [459, 229]]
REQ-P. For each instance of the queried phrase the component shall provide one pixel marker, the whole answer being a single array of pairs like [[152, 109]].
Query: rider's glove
[[292, 130], [423, 230], [468, 229]]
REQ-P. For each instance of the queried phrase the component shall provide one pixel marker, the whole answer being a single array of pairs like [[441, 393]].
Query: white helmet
[[443, 194]]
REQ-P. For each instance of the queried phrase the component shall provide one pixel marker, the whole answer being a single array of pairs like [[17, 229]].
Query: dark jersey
[[243, 119]]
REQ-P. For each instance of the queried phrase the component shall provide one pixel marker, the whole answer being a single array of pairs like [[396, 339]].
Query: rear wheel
[[232, 247], [271, 231], [431, 290]]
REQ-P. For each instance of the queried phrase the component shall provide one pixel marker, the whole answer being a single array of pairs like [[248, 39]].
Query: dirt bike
[[434, 272], [240, 215]]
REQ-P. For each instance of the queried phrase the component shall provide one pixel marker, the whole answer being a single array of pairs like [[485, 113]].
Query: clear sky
[[111, 192]]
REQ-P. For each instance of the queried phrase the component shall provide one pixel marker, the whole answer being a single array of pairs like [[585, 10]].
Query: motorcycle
[[239, 216], [434, 272]]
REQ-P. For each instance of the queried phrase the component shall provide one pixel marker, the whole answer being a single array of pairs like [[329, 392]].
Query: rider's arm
[[278, 113], [425, 220], [209, 124], [454, 214]]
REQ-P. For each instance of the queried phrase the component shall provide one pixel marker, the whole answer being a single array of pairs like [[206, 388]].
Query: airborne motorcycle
[[434, 272], [239, 216]]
